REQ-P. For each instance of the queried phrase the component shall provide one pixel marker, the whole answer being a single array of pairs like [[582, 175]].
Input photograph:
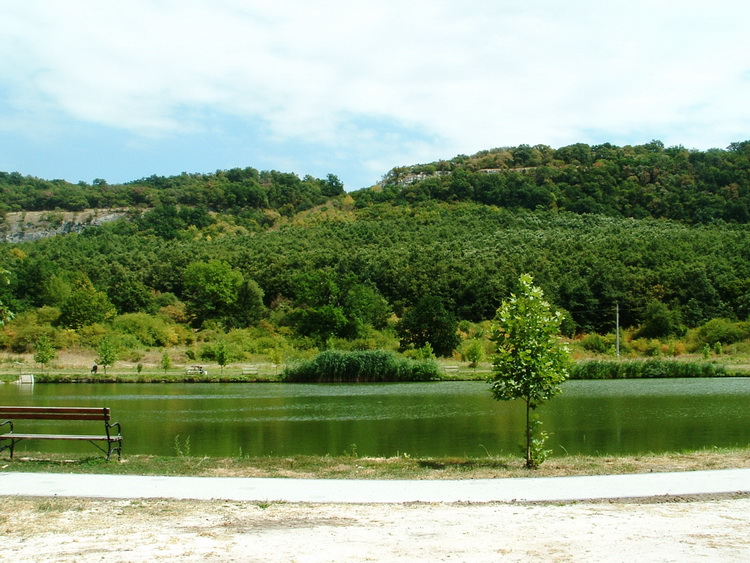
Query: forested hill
[[633, 181], [641, 181], [239, 191], [302, 261]]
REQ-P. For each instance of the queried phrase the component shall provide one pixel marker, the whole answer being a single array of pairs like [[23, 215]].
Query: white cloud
[[461, 76]]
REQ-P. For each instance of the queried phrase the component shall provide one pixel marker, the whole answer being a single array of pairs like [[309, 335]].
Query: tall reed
[[335, 366], [649, 369]]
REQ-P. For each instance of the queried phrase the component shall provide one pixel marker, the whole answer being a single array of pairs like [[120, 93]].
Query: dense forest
[[634, 181], [273, 263]]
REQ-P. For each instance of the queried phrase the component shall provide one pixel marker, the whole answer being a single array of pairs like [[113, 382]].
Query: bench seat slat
[[52, 416], [14, 436], [82, 410]]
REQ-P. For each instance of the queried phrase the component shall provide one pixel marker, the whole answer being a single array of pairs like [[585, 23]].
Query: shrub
[[20, 336], [595, 343], [472, 351], [221, 352], [646, 346], [724, 331], [148, 330]]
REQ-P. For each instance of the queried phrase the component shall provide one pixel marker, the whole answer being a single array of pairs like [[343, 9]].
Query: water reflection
[[448, 418]]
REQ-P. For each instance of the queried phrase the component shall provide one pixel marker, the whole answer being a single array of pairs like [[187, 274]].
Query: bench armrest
[[10, 422], [110, 426]]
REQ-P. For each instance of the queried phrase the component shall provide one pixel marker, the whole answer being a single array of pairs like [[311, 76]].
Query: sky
[[124, 90]]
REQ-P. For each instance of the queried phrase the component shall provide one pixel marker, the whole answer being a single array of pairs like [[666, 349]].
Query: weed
[[182, 447]]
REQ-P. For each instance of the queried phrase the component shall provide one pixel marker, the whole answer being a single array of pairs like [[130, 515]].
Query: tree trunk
[[529, 461]]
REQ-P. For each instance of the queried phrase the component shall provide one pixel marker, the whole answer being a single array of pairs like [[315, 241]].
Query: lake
[[419, 419]]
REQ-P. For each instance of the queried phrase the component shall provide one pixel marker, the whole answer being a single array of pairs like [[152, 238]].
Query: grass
[[400, 467]]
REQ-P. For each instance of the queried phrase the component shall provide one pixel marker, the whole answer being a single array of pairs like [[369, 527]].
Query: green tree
[[44, 351], [221, 353], [531, 362], [127, 293], [321, 323], [85, 306], [365, 304], [107, 353], [211, 290], [658, 321], [429, 322], [249, 308]]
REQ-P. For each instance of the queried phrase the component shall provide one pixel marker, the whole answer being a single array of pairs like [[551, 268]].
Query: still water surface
[[420, 419]]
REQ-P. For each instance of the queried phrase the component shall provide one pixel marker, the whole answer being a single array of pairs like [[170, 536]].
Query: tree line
[[641, 181], [239, 191]]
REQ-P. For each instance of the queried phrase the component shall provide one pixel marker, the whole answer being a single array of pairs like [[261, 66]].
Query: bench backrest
[[54, 413]]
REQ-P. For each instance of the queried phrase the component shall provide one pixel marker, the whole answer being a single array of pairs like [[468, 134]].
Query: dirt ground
[[58, 529]]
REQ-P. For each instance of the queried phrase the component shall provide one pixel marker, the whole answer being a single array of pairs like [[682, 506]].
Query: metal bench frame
[[9, 414]]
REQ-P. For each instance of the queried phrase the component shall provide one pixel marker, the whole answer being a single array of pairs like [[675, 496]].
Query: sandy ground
[[58, 529]]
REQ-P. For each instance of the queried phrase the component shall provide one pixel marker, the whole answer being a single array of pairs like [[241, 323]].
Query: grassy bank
[[445, 371], [403, 467]]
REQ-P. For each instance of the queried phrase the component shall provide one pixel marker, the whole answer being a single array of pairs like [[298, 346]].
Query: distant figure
[[94, 369]]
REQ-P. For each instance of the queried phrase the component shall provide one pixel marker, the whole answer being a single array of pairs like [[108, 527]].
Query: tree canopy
[[531, 362]]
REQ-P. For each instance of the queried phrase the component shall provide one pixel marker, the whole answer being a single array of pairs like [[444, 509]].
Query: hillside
[[632, 181], [309, 266]]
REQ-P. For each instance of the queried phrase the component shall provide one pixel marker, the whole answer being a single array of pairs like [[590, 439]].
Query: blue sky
[[122, 90]]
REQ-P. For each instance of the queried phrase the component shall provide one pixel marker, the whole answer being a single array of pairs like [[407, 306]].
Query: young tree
[[473, 351], [44, 352], [531, 362], [221, 352], [166, 361], [107, 354]]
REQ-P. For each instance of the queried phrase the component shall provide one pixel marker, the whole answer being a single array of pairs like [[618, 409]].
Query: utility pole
[[617, 329]]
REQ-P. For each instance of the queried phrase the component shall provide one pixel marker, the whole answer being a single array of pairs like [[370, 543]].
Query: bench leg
[[111, 449]]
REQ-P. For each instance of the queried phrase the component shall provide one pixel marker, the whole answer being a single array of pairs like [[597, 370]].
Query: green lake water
[[419, 419]]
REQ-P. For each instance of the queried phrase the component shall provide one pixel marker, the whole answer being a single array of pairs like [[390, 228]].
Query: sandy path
[[59, 529]]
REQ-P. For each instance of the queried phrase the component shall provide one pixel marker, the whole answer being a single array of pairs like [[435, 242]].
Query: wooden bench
[[94, 414], [196, 370], [250, 370]]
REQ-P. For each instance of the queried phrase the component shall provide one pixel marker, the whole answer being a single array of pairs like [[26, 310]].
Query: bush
[[21, 335], [335, 366], [646, 346], [221, 352], [148, 330], [595, 343], [724, 331]]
